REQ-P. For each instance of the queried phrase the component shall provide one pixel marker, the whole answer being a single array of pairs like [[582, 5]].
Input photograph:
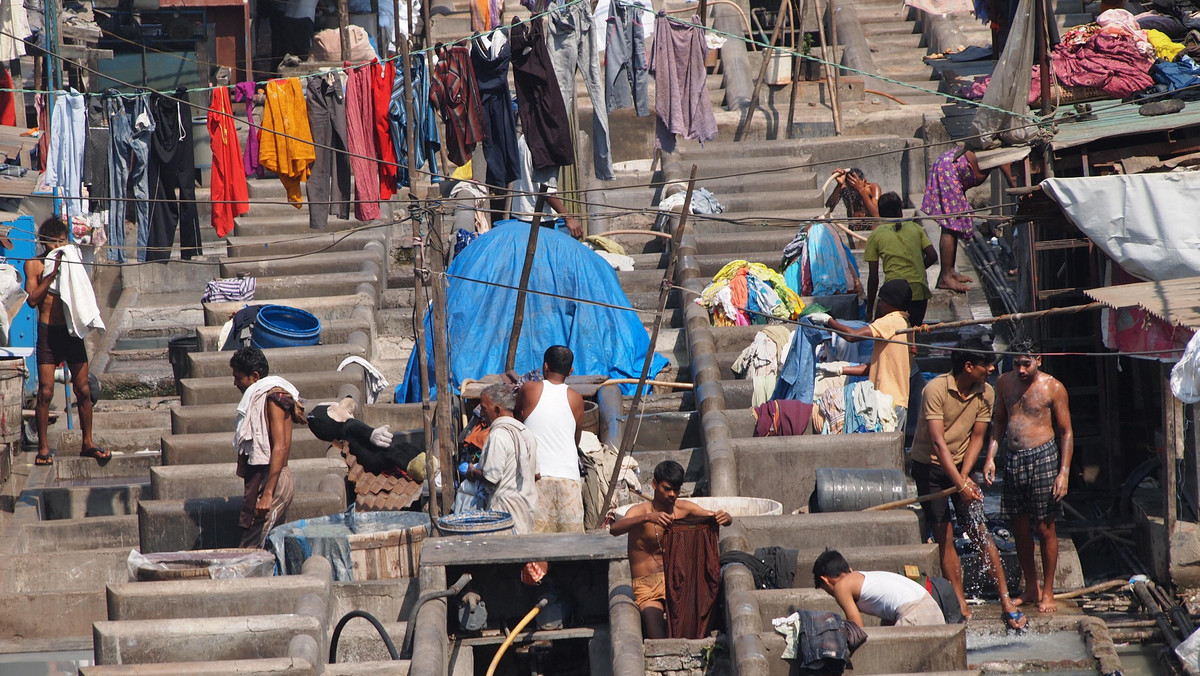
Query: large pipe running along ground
[[513, 634], [410, 627]]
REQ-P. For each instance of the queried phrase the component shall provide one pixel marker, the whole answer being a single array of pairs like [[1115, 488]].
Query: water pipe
[[337, 632], [513, 634], [453, 590]]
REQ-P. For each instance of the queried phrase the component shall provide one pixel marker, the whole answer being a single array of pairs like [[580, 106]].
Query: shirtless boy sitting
[[1035, 417], [646, 525], [56, 345]]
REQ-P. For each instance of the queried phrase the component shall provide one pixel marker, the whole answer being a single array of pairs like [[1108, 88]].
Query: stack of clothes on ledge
[[744, 293]]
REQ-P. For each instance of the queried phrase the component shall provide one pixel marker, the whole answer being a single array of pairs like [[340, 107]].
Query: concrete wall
[[836, 530], [200, 639], [50, 615], [891, 650], [784, 468], [277, 666], [64, 571], [99, 532], [682, 657], [183, 482], [211, 523], [180, 599]]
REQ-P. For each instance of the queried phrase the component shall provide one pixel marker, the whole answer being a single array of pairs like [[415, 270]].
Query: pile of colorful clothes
[[817, 263], [745, 293]]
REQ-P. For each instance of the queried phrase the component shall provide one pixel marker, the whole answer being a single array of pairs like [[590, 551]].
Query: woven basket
[[1065, 96]]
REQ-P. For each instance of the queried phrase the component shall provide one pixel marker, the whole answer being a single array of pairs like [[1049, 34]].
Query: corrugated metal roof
[[1121, 120], [1176, 301]]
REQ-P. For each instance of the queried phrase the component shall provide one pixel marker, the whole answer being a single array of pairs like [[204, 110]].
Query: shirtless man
[[646, 524], [1037, 420], [56, 345]]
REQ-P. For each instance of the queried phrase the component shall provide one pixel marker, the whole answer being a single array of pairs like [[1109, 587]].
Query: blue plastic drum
[[282, 326], [474, 523]]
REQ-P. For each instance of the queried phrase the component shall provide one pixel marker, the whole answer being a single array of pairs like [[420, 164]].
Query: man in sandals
[[56, 344], [1036, 419]]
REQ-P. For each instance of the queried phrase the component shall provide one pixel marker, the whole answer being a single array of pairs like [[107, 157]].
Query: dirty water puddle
[[1030, 651]]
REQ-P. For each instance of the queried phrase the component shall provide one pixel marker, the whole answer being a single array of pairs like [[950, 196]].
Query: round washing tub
[[207, 564], [475, 523], [382, 545], [282, 326], [733, 506]]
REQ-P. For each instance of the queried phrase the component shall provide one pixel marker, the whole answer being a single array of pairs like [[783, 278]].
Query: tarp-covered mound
[[606, 341]]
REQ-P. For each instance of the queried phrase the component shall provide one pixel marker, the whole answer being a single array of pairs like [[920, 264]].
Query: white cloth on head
[[376, 382], [251, 435], [509, 464], [74, 288]]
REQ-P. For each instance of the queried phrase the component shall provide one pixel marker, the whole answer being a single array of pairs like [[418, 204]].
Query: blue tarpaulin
[[606, 341]]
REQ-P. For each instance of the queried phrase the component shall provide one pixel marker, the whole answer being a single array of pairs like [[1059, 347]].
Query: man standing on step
[[956, 408], [1036, 418], [508, 462], [554, 413], [57, 341], [263, 440]]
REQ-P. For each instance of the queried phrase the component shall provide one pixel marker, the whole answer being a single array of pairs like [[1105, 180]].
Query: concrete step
[[276, 225], [884, 42], [793, 199], [188, 482], [274, 266], [787, 179], [308, 243], [216, 447], [116, 440], [63, 571], [325, 308], [735, 245], [283, 287], [97, 532], [693, 151], [333, 332], [211, 523], [313, 385], [282, 359], [219, 418]]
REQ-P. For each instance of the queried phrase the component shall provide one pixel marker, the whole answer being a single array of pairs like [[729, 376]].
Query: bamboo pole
[[797, 62], [944, 493], [834, 94], [663, 294], [535, 227], [826, 55], [762, 71], [441, 366], [343, 7], [1014, 317]]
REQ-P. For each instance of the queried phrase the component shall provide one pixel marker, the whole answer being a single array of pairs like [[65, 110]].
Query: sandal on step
[[1016, 621], [43, 460], [96, 452]]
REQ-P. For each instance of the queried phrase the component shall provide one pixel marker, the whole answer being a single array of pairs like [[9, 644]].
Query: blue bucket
[[282, 326], [473, 523]]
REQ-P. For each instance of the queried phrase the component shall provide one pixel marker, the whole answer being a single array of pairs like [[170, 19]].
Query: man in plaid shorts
[[1035, 417]]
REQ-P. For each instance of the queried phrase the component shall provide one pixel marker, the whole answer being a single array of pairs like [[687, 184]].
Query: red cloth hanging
[[230, 196], [693, 576], [360, 141], [8, 108], [383, 78]]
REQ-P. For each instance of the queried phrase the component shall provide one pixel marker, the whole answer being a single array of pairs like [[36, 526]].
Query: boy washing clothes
[[647, 525], [894, 599], [59, 287]]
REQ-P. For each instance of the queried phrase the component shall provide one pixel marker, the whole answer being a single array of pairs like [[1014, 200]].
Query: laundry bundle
[[744, 293], [817, 263]]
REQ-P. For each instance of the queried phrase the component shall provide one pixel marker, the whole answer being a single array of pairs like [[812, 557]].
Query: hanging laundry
[[603, 11], [425, 127], [64, 161], [680, 89], [625, 72], [95, 154], [172, 179], [572, 48], [229, 192], [455, 95], [285, 145], [825, 266], [383, 77], [8, 107], [128, 165], [488, 15], [693, 576], [360, 130], [540, 102], [244, 92], [14, 26], [329, 181], [43, 123], [490, 57]]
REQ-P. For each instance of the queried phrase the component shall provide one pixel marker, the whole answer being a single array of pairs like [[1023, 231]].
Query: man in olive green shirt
[[956, 409], [903, 248]]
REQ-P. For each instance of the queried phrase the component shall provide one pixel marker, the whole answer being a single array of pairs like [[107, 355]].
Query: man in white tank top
[[894, 599], [554, 413]]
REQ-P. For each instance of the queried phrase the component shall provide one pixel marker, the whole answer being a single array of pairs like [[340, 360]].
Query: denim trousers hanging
[[128, 164], [572, 46]]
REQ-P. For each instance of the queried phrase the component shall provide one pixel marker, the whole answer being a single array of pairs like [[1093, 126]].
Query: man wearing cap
[[890, 361]]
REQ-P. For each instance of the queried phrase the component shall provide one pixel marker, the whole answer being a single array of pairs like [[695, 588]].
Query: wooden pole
[[834, 93], [663, 294], [1043, 53], [833, 104], [1172, 445], [447, 439], [797, 62], [535, 227], [944, 493], [1016, 316], [423, 362], [343, 7], [762, 71]]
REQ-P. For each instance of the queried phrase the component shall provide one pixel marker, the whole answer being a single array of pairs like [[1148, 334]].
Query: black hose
[[1142, 591], [409, 628], [337, 632]]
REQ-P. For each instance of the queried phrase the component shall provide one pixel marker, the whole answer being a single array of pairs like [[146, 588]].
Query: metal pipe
[[1143, 594], [410, 626]]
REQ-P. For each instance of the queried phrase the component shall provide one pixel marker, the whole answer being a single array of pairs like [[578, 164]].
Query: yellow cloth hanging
[[286, 145]]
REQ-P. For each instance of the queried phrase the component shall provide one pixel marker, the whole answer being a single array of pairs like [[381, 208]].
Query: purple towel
[[243, 92]]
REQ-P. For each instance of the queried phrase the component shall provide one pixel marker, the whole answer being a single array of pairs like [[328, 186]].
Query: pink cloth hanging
[[360, 132]]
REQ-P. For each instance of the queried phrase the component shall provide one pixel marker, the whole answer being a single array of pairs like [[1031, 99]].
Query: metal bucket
[[12, 387], [850, 490]]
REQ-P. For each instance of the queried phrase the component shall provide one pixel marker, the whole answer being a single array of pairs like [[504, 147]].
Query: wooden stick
[[837, 118], [834, 95], [663, 294], [519, 316], [762, 71], [797, 62], [657, 383], [441, 365], [1016, 316], [912, 501], [1103, 586]]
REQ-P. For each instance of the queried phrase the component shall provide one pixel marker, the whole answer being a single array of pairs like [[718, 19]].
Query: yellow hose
[[513, 634]]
